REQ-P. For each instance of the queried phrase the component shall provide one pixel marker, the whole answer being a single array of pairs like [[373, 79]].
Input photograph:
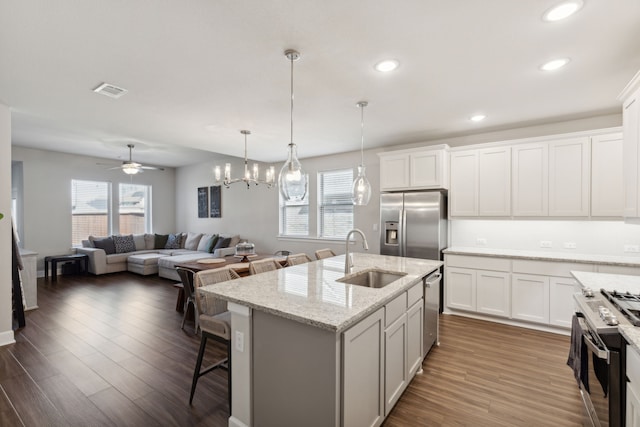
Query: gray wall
[[6, 331], [47, 179]]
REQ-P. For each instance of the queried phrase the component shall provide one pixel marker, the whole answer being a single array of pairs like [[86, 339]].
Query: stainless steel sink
[[372, 278]]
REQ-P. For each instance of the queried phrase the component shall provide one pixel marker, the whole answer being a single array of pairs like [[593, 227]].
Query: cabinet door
[[493, 293], [363, 372], [633, 408], [607, 178], [631, 135], [530, 180], [426, 170], [415, 316], [561, 307], [463, 197], [494, 182], [395, 360], [569, 175], [394, 172], [530, 298], [461, 288]]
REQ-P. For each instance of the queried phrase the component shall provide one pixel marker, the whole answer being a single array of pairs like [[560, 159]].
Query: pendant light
[[292, 181], [247, 178], [361, 189]]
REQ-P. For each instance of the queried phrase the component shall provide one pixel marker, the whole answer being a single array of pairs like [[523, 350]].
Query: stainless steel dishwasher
[[431, 311]]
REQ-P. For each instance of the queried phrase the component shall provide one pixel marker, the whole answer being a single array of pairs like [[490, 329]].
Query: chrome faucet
[[348, 262]]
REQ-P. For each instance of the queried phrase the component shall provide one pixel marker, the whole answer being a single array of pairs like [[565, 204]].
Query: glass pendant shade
[[361, 189], [293, 182]]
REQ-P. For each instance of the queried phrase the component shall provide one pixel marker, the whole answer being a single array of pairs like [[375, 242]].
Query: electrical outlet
[[546, 243], [481, 241], [569, 245], [239, 341], [631, 248], [375, 226]]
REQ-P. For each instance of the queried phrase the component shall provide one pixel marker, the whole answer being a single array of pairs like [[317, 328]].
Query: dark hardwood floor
[[109, 351]]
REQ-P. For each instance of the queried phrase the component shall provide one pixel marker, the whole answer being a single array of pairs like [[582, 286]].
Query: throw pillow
[[205, 243], [235, 239], [150, 241], [87, 244], [192, 240], [222, 243], [106, 244], [124, 244], [160, 241], [174, 241], [138, 239], [214, 240]]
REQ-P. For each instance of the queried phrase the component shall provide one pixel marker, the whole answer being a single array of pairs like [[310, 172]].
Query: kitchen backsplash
[[585, 237]]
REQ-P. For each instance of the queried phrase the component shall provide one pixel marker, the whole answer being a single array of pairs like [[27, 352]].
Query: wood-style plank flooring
[[109, 351]]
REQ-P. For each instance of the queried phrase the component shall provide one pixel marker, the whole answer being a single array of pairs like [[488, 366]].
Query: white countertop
[[546, 256], [309, 293]]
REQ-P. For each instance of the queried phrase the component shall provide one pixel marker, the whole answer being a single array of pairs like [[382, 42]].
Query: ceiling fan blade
[[152, 168]]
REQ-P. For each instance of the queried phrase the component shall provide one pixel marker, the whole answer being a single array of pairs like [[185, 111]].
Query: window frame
[[147, 206], [282, 217]]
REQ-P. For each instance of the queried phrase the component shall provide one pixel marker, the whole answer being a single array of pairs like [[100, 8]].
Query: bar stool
[[186, 276], [263, 265], [324, 253], [297, 259]]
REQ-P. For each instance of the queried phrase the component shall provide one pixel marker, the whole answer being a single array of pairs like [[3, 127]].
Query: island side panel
[[296, 373]]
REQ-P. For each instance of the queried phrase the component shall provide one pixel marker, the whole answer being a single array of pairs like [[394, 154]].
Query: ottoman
[[144, 264]]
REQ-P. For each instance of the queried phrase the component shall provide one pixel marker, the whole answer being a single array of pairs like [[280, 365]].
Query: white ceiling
[[198, 71]]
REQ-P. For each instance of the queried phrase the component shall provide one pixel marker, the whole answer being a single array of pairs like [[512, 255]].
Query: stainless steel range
[[602, 354]]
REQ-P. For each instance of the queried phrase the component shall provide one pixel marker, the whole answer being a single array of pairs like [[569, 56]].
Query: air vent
[[110, 90]]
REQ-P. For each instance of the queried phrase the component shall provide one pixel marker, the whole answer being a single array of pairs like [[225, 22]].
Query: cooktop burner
[[627, 303]]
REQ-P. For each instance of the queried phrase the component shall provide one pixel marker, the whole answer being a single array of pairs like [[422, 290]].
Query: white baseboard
[[7, 338], [234, 422]]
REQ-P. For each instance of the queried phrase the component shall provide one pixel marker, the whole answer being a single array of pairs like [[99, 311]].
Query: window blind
[[133, 208], [335, 207], [294, 217], [90, 201]]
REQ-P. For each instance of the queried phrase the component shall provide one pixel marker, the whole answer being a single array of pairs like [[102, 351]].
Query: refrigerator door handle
[[403, 233]]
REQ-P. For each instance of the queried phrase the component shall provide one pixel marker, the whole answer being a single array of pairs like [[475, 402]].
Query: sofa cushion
[[87, 244], [106, 244], [149, 241], [124, 244], [192, 240], [171, 261], [235, 239], [205, 243], [118, 258], [222, 243], [160, 241], [139, 241], [214, 240], [174, 241]]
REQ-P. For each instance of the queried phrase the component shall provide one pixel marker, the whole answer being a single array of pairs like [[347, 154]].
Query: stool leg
[[196, 372]]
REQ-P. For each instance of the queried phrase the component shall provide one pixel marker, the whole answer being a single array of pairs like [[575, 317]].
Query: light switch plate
[[569, 245], [546, 243], [631, 248]]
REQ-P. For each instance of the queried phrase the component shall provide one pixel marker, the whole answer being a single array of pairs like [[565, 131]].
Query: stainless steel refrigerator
[[414, 224]]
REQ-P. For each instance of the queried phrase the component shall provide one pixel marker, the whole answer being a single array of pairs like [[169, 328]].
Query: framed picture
[[215, 209], [203, 202]]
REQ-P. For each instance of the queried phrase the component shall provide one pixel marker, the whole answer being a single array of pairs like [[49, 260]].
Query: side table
[[81, 260]]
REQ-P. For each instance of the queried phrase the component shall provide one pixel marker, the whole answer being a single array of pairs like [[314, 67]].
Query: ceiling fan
[[131, 168]]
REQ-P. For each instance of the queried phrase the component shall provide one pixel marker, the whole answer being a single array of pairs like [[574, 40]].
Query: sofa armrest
[[97, 259], [223, 252]]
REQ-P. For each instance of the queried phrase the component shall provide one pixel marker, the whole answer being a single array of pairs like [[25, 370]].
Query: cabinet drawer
[[633, 367], [547, 268], [414, 294], [619, 269], [478, 263], [395, 308]]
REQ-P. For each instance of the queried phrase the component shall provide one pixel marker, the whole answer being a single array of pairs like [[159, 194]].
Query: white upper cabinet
[[607, 178], [569, 175], [630, 98], [530, 180], [463, 197], [423, 168], [494, 182]]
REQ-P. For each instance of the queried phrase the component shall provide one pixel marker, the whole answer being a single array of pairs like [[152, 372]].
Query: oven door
[[596, 393]]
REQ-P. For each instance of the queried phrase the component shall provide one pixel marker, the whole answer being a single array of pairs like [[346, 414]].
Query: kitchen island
[[310, 350]]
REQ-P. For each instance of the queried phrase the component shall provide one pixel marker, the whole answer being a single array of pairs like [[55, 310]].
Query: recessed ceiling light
[[387, 65], [477, 117], [562, 10], [554, 64]]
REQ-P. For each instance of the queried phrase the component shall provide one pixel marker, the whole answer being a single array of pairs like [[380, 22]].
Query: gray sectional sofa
[[152, 253]]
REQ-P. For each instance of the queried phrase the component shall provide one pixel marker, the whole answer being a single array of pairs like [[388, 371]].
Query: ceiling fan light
[[131, 169]]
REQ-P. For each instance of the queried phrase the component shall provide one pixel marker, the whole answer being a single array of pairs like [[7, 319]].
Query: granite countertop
[[546, 256], [611, 282], [309, 293]]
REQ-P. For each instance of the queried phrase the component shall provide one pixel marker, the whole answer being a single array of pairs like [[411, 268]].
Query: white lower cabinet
[[415, 327], [363, 372], [530, 298], [461, 288], [395, 362], [493, 293], [561, 290]]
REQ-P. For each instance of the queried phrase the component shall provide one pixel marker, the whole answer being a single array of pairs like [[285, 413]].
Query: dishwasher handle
[[433, 279]]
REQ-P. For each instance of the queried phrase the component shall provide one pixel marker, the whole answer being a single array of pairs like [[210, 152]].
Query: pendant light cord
[[291, 141], [362, 134]]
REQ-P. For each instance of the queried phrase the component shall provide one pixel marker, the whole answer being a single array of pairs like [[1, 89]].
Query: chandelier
[[249, 177], [293, 182]]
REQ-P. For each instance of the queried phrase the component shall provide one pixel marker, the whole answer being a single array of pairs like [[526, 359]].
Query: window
[[294, 217], [90, 213], [133, 211], [335, 207]]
